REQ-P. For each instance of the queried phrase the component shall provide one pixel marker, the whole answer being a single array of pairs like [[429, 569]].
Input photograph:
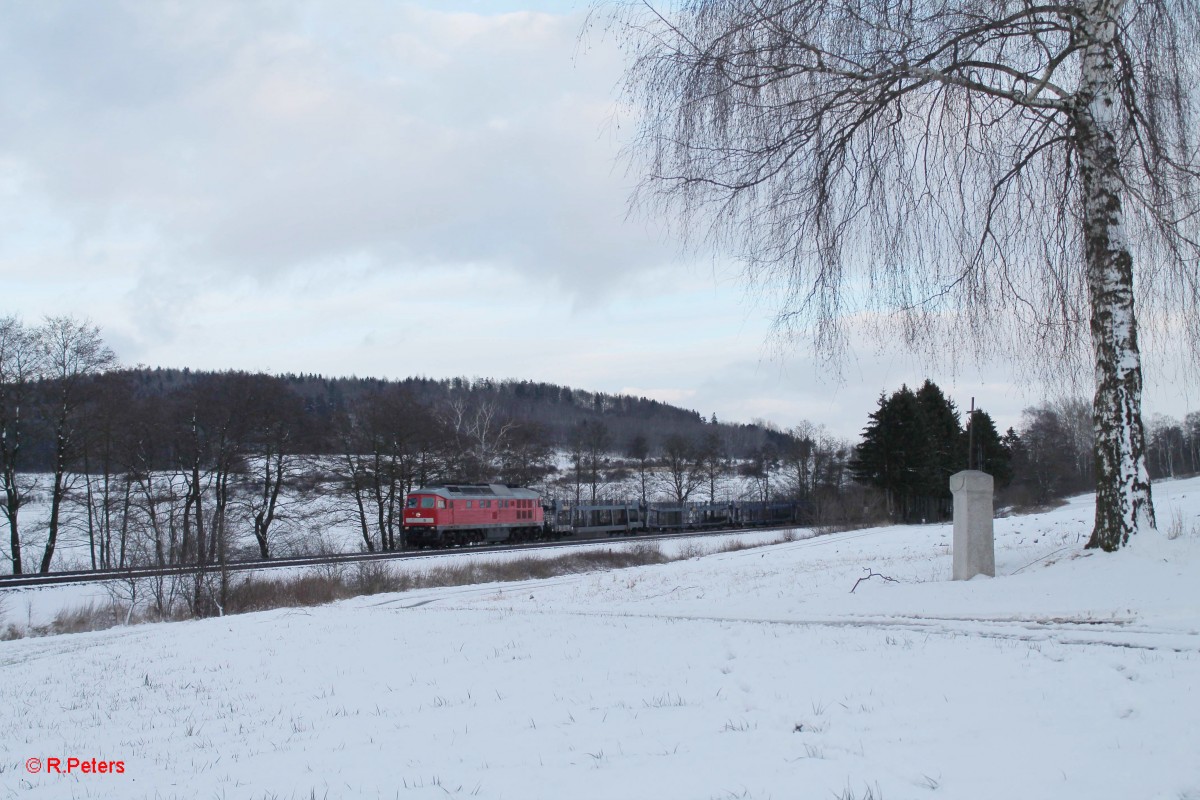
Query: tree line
[[914, 441], [165, 467], [177, 467]]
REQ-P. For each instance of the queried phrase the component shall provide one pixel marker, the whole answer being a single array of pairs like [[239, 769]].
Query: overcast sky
[[386, 189]]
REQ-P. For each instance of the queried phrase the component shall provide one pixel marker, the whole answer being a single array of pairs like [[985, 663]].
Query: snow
[[756, 674]]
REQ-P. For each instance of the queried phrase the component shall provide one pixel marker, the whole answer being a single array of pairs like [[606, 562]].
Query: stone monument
[[974, 541]]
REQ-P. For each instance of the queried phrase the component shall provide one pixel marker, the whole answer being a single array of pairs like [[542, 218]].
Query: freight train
[[484, 513]]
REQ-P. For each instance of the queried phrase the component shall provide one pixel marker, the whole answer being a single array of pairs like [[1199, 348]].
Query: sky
[[387, 189]]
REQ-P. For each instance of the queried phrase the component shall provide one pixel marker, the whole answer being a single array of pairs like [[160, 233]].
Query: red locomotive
[[460, 514]]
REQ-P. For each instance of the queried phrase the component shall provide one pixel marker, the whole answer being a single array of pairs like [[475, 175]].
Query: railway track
[[100, 576]]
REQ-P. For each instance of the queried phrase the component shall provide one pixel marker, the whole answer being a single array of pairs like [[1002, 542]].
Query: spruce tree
[[944, 454], [910, 447], [894, 453], [988, 452]]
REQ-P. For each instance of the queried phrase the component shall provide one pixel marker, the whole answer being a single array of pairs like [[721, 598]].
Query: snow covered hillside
[[750, 674]]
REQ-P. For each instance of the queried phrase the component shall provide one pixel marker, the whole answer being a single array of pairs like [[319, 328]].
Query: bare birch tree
[[72, 352], [480, 432], [987, 169]]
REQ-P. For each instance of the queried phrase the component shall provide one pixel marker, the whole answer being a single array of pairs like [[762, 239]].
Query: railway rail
[[99, 576]]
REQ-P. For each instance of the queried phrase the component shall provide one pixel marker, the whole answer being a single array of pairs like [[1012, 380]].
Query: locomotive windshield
[[426, 502]]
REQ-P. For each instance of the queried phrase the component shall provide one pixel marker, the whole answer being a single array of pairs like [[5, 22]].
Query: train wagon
[[606, 518], [475, 513]]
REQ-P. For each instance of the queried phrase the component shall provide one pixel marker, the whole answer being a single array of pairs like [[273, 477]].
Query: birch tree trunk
[[58, 488], [1123, 501], [12, 507]]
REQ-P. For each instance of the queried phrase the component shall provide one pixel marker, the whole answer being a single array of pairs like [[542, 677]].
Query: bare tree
[[596, 441], [712, 460], [528, 457], [107, 454], [157, 492], [1166, 443], [391, 444], [270, 460], [798, 458], [356, 481], [19, 367], [682, 473], [1075, 414], [481, 433], [762, 464], [157, 498], [639, 451], [1045, 461], [211, 431], [71, 352], [1191, 425], [189, 450], [577, 453], [957, 167]]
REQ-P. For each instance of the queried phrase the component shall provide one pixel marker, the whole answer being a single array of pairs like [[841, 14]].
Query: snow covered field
[[752, 674]]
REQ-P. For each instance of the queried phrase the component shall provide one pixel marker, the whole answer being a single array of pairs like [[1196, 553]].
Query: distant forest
[[317, 410]]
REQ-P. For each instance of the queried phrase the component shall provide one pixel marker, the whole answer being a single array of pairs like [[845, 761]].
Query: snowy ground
[[751, 674]]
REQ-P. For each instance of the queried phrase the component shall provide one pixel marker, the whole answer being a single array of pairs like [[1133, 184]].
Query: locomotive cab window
[[441, 503], [412, 503], [426, 502]]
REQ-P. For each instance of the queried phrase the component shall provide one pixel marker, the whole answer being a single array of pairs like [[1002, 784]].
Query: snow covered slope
[[749, 674]]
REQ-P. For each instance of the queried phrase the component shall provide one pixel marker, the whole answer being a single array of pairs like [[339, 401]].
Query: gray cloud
[[260, 137]]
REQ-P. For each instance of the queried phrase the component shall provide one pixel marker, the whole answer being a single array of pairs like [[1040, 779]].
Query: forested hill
[[316, 409]]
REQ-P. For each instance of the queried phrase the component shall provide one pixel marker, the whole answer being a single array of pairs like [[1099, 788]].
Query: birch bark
[[1123, 499]]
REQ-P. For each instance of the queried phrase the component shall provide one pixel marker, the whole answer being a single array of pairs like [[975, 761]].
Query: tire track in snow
[[1060, 630], [1082, 631]]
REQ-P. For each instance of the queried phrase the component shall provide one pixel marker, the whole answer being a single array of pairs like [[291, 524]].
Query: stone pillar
[[974, 542]]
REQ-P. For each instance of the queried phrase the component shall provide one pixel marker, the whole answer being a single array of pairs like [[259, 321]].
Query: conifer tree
[[987, 451], [944, 454], [910, 447]]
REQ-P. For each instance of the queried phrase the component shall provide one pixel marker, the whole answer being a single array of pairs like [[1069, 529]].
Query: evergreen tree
[[945, 454], [910, 447], [892, 454], [988, 452]]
